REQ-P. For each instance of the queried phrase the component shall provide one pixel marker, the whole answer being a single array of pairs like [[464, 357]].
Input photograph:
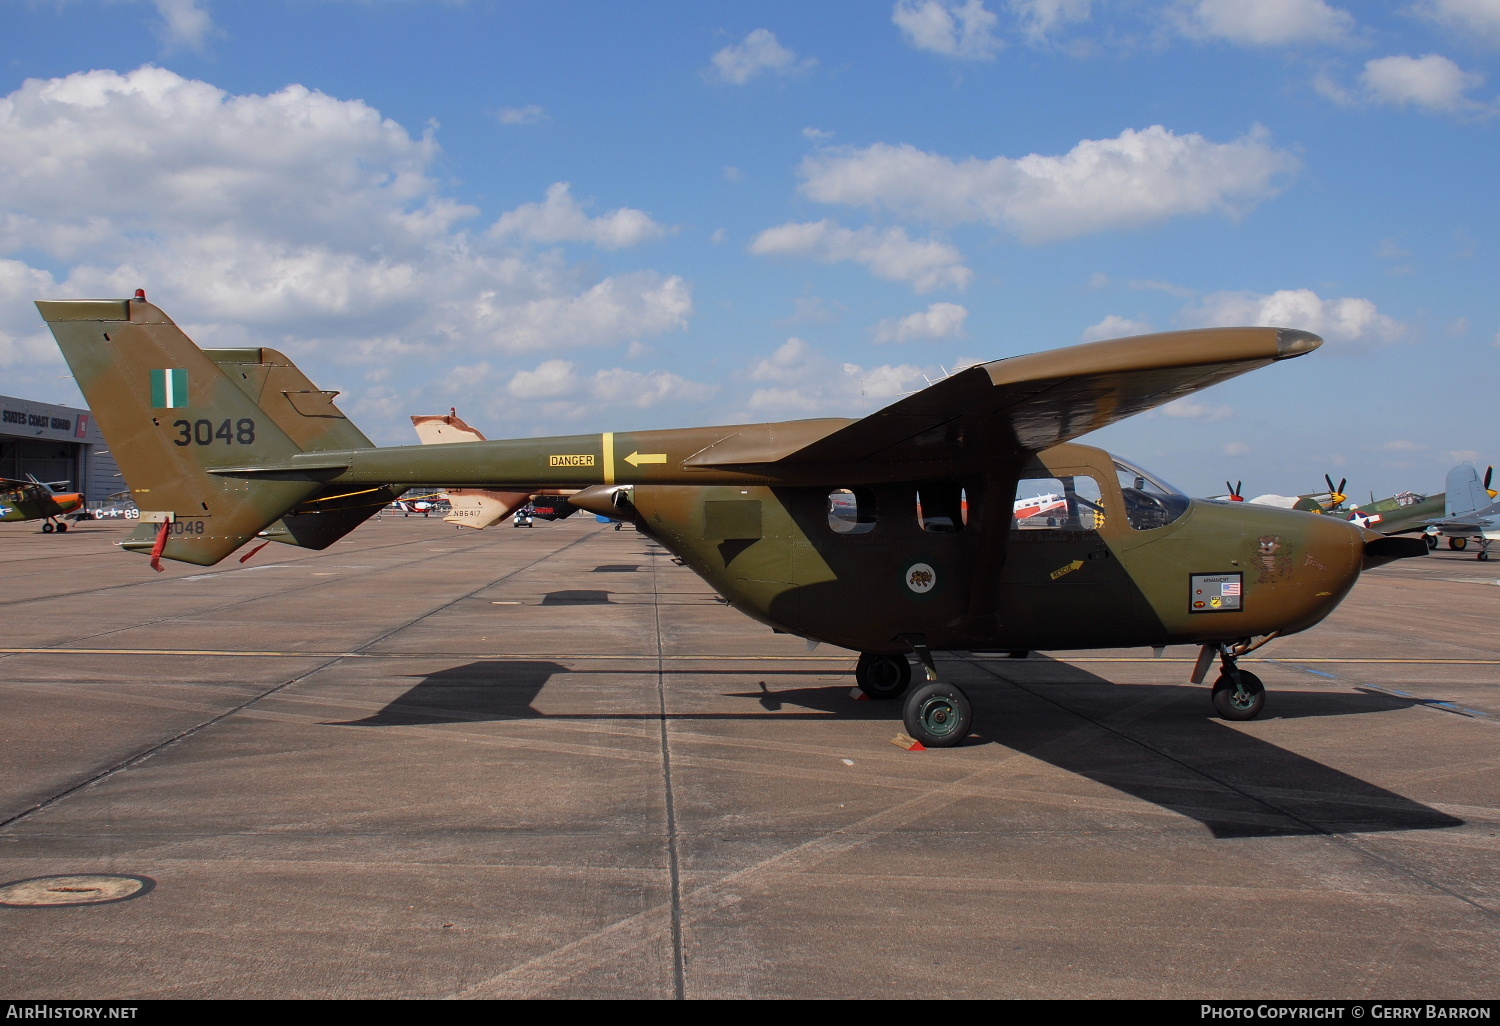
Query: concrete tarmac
[[549, 763]]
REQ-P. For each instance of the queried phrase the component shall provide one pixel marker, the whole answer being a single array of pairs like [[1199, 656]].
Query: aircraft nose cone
[[1292, 342]]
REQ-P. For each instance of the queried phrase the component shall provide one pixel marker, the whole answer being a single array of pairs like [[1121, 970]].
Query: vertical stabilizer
[[171, 415], [1465, 492]]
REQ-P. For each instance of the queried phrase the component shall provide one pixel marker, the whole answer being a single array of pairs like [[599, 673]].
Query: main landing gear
[[936, 713], [1238, 694], [48, 527]]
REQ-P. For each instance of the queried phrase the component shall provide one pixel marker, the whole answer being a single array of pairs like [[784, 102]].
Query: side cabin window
[[942, 508], [1149, 501], [851, 511], [1072, 503]]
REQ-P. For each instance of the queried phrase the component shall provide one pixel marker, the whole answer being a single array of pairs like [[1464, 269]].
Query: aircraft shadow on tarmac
[[1174, 753]]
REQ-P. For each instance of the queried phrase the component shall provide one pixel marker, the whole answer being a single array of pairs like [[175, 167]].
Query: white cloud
[[551, 379], [618, 387], [1040, 18], [940, 320], [184, 22], [257, 218], [1345, 319], [965, 30], [1235, 449], [527, 115], [816, 134], [1189, 408], [1115, 326], [1133, 179], [797, 379], [760, 52], [1267, 22], [1431, 81], [925, 264], [1469, 17], [560, 218]]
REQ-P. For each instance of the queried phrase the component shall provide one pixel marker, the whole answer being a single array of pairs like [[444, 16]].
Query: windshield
[[1150, 502]]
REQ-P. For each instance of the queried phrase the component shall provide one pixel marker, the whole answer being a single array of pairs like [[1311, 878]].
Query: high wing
[[1030, 403]]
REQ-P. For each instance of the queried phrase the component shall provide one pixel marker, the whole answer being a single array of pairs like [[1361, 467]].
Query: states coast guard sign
[[920, 578]]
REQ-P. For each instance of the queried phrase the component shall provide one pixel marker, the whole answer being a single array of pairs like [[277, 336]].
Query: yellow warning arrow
[[1067, 569], [635, 459]]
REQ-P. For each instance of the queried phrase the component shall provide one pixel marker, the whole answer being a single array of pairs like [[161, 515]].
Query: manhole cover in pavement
[[80, 889]]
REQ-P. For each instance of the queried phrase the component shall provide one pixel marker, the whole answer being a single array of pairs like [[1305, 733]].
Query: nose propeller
[[1336, 496]]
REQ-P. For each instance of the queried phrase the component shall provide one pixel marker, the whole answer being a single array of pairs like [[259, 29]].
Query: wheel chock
[[858, 695], [906, 741]]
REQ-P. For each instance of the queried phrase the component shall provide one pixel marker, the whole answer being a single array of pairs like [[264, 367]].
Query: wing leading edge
[[1029, 403]]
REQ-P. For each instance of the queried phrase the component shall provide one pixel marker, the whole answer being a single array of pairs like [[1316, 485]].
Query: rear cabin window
[[1072, 503], [851, 511], [942, 508]]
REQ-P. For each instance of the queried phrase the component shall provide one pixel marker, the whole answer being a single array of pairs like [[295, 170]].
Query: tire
[[47, 528], [1458, 544], [1483, 555], [61, 527], [1431, 541], [938, 715], [1243, 703], [882, 677]]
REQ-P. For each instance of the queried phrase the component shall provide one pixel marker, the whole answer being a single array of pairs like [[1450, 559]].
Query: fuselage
[[1116, 566]]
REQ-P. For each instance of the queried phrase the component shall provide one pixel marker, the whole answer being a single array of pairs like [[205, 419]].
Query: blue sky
[[574, 216]]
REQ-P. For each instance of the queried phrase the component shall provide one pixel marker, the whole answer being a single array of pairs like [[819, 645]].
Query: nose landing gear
[[1237, 694]]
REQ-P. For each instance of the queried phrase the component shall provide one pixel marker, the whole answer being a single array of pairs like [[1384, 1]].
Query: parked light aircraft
[[36, 500], [221, 447], [1469, 510]]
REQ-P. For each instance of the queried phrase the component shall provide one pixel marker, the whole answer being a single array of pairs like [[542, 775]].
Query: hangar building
[[56, 443]]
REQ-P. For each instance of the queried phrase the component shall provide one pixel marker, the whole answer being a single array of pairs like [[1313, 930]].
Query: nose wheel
[[1237, 694]]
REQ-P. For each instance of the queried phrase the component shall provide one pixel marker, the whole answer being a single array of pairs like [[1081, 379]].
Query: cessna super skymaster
[[891, 535]]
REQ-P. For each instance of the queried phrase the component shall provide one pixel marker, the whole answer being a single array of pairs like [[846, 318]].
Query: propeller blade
[[1331, 488], [1489, 472]]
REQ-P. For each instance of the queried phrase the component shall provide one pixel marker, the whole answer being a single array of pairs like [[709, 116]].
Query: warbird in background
[[890, 535], [35, 500]]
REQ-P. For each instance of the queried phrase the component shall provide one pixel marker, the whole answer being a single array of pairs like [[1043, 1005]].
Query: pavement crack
[[679, 969]]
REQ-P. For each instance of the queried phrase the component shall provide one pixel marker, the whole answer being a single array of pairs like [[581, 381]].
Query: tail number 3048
[[203, 432]]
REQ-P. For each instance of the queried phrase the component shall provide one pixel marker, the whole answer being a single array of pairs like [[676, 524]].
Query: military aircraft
[[1331, 501], [36, 500], [1469, 510], [223, 446]]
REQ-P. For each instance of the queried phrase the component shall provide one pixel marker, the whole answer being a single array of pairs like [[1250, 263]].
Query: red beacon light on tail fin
[[140, 295]]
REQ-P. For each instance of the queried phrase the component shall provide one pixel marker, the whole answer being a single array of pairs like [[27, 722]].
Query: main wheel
[[1431, 541], [1239, 702], [938, 715], [61, 527], [882, 676], [1458, 543], [1483, 554], [46, 527]]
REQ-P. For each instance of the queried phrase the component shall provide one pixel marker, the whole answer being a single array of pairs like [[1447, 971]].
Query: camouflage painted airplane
[[224, 446], [33, 500]]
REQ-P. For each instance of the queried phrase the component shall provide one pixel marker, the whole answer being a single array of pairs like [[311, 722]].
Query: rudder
[[171, 415]]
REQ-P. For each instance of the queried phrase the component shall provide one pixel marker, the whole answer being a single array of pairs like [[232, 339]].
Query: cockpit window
[[1149, 501]]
